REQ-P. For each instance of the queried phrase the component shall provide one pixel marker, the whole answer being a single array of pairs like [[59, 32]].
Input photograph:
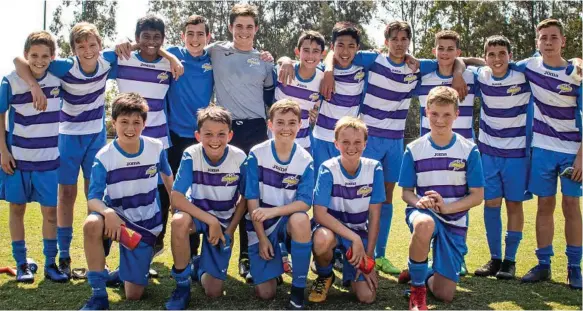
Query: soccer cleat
[[53, 273], [537, 274], [417, 298], [113, 279], [96, 303], [65, 266], [489, 269], [384, 265], [287, 264], [574, 277], [23, 274], [320, 288], [244, 267], [179, 299], [463, 269], [404, 277], [507, 270], [194, 264], [291, 305], [249, 278]]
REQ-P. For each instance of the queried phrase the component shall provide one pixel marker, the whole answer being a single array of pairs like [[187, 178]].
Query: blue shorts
[[30, 186], [506, 178], [78, 151], [545, 168], [321, 151], [134, 266], [264, 270], [449, 248], [387, 151], [214, 260]]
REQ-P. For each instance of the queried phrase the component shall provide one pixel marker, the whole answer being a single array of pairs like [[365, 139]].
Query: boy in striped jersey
[[29, 153], [207, 194], [124, 191], [556, 147], [442, 179], [503, 143], [278, 187], [347, 202]]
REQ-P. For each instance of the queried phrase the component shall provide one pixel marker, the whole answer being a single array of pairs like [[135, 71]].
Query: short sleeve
[[59, 67], [184, 175], [323, 188], [474, 173], [365, 59], [306, 187], [98, 181], [242, 179], [268, 83], [109, 56], [5, 95], [164, 165], [519, 66], [427, 65], [174, 50], [252, 178], [378, 186], [408, 176]]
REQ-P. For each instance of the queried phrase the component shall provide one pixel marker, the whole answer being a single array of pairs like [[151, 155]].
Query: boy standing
[[446, 172], [124, 191], [279, 183], [29, 153]]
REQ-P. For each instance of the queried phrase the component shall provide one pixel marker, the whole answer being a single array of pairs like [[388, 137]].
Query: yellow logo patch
[[163, 76], [457, 165], [151, 171], [513, 90], [410, 78], [207, 67], [314, 97], [253, 62], [359, 75], [290, 181], [564, 88], [364, 191], [230, 179], [55, 92]]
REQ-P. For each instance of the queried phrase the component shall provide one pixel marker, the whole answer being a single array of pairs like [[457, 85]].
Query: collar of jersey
[[440, 75], [87, 75], [44, 76], [129, 155], [393, 63], [345, 173], [137, 54], [195, 58], [274, 152], [208, 161], [503, 77], [297, 71], [552, 68], [434, 145]]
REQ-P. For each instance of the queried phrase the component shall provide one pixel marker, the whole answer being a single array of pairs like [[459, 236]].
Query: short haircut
[[350, 122], [196, 20], [443, 95], [312, 36], [345, 29], [128, 104], [214, 113], [40, 38], [448, 35], [284, 106], [150, 22], [81, 31], [397, 26], [244, 10], [549, 22], [497, 40]]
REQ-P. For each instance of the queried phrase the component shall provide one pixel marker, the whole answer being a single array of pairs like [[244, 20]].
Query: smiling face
[[441, 118], [129, 127], [150, 42], [243, 30], [214, 137], [195, 38], [345, 48], [351, 143], [446, 52], [497, 58], [87, 51], [284, 126], [39, 57], [310, 54], [550, 41], [398, 43]]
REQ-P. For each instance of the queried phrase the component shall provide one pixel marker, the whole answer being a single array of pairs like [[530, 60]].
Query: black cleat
[[507, 270], [65, 266], [490, 268], [537, 274]]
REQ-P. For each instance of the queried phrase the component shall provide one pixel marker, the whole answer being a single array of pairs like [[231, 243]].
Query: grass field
[[473, 292]]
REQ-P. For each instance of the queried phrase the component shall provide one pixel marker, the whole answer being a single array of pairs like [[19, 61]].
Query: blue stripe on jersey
[[446, 191], [382, 114], [41, 118], [85, 99], [439, 164], [425, 89], [559, 113], [349, 218], [35, 142], [137, 200], [25, 98], [297, 92], [552, 85], [503, 133], [386, 94], [503, 91], [69, 78], [466, 133], [143, 74], [384, 133], [277, 179], [465, 111], [387, 73], [156, 131], [38, 165], [351, 193], [211, 205], [504, 112], [504, 153], [155, 104], [545, 129], [345, 100], [128, 173], [89, 115], [214, 179], [326, 122], [349, 78]]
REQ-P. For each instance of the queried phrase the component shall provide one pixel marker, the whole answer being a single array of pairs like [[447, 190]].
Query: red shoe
[[287, 265], [417, 298], [404, 277]]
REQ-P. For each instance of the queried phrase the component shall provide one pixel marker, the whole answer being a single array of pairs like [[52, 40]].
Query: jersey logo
[[364, 191], [290, 181], [253, 62], [513, 90], [151, 171], [230, 178], [410, 78], [314, 97], [163, 76], [55, 92], [457, 165], [207, 67], [229, 53], [564, 88], [359, 76]]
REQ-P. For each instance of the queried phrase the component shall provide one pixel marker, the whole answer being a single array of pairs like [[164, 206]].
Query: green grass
[[473, 292]]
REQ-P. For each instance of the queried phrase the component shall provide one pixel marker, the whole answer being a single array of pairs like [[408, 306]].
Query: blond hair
[[82, 31], [38, 38], [550, 22], [443, 95], [350, 122], [284, 106]]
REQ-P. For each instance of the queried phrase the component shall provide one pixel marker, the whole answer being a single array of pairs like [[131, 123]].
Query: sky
[[19, 18]]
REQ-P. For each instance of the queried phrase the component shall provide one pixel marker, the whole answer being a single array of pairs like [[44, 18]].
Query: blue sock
[[64, 237], [544, 256], [384, 229], [50, 251], [182, 278], [19, 252], [301, 255], [97, 282], [493, 223], [418, 272], [574, 255], [324, 271], [512, 241]]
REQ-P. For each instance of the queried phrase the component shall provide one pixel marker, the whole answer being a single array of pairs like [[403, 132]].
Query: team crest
[[290, 181], [359, 75], [151, 171], [364, 191], [207, 67], [513, 90], [253, 62], [230, 178], [55, 92], [314, 97], [457, 165], [410, 78], [564, 88], [163, 76]]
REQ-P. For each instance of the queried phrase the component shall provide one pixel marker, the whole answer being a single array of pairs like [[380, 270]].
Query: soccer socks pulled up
[[384, 229], [544, 256], [183, 277], [512, 241], [418, 272], [97, 281], [574, 255], [19, 252], [50, 251], [64, 237], [324, 271], [301, 254], [493, 223]]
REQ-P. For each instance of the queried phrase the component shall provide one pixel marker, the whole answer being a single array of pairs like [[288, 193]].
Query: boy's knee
[[265, 292], [68, 192], [133, 291], [444, 294], [181, 223], [213, 291], [424, 228], [299, 222], [366, 296], [93, 226], [571, 204], [322, 242], [17, 210], [50, 216]]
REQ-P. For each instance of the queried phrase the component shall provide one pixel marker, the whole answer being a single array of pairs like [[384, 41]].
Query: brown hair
[[244, 10], [350, 122], [448, 35], [550, 22], [345, 29], [284, 106], [443, 95], [497, 40], [213, 113], [196, 20], [40, 37], [82, 31], [397, 26], [129, 103], [312, 36]]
